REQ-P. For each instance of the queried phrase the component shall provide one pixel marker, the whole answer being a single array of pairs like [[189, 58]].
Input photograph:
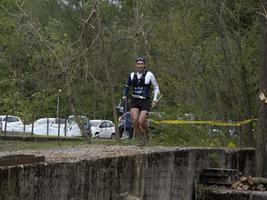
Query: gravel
[[87, 152], [93, 152]]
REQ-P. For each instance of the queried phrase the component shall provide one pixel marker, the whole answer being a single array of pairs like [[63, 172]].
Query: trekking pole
[[160, 97]]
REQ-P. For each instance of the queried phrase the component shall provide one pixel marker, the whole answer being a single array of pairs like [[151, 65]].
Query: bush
[[190, 135]]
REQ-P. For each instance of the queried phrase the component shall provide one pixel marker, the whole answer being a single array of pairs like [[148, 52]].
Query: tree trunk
[[261, 158], [246, 130], [106, 61], [71, 102]]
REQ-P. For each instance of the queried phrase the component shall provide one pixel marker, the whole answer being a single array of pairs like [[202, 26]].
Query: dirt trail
[[87, 152]]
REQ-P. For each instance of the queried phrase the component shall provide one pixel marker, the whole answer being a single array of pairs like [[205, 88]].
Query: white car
[[66, 128], [11, 123], [73, 127], [40, 126], [102, 128]]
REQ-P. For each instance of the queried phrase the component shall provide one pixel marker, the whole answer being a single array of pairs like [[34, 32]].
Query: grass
[[10, 145], [20, 145], [165, 136], [196, 136]]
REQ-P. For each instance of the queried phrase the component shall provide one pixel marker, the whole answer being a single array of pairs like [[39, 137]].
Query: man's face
[[140, 66]]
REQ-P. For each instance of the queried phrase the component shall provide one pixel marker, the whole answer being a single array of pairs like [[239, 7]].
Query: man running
[[140, 81]]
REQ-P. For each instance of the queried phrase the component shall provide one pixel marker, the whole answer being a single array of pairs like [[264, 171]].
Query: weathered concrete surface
[[158, 175], [220, 193]]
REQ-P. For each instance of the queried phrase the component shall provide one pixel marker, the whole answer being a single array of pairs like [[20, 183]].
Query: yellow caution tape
[[212, 123]]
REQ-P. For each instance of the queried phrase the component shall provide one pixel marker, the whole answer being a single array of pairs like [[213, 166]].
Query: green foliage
[[205, 55], [191, 135]]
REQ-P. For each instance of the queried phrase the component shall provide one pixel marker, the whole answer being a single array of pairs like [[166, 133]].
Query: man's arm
[[156, 90], [126, 88]]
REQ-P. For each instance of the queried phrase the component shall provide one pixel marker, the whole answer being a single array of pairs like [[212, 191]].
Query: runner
[[140, 81]]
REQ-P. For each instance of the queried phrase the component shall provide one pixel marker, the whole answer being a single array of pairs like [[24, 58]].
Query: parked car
[[44, 126], [73, 125], [102, 128], [11, 123], [67, 127], [40, 126], [43, 121]]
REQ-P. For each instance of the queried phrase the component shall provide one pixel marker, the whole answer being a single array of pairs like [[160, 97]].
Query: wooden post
[[32, 124], [65, 128], [6, 124], [47, 126], [24, 126]]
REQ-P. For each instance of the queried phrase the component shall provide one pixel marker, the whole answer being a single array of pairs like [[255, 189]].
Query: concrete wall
[[161, 175]]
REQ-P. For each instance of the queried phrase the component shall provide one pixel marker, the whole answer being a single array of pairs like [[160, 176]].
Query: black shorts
[[141, 104]]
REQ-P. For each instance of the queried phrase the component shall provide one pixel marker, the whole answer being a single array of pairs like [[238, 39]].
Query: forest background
[[205, 55]]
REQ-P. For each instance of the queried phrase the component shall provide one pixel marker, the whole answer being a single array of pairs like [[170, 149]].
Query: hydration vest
[[139, 86]]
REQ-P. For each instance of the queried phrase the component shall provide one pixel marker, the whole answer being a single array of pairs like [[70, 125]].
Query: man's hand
[[154, 103], [124, 98]]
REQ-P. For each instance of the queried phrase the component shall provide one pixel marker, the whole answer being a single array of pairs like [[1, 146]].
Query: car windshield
[[81, 118], [43, 121], [40, 121], [94, 123], [61, 121]]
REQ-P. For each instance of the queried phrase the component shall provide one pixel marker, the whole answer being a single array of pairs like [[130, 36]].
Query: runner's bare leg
[[135, 116], [143, 123]]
